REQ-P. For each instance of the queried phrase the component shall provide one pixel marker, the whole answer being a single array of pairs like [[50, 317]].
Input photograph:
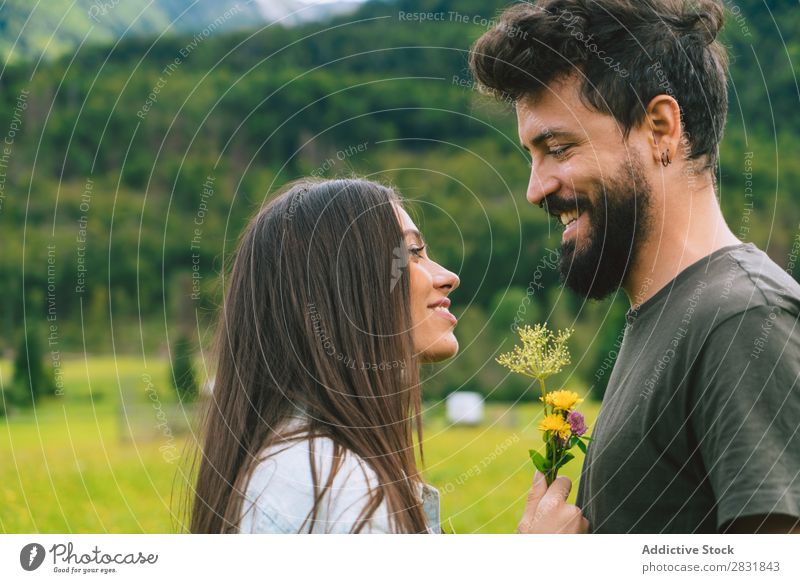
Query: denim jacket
[[280, 493]]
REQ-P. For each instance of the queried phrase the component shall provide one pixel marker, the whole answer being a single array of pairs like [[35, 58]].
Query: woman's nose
[[445, 279]]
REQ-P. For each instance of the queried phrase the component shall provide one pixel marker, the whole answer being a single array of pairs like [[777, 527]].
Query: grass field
[[83, 464]]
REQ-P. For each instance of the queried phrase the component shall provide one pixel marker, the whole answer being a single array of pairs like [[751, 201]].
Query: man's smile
[[568, 215], [570, 220]]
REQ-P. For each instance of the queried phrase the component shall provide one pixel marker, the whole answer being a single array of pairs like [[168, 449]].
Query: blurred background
[[138, 137]]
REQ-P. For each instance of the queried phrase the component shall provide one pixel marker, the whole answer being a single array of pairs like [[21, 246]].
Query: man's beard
[[618, 215]]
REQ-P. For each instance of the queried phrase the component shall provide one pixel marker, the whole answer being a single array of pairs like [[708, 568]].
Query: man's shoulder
[[756, 312], [744, 279]]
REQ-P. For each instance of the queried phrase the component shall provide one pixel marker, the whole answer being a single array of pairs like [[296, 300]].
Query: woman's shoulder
[[280, 492]]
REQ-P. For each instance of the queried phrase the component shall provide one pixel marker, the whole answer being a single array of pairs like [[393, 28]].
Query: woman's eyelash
[[416, 251]]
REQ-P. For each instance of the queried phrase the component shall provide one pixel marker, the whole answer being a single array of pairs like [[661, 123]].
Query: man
[[621, 106]]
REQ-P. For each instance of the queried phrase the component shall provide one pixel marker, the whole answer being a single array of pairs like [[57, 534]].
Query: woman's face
[[431, 283]]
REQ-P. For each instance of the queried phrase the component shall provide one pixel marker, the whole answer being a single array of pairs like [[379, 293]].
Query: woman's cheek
[[420, 286], [419, 282]]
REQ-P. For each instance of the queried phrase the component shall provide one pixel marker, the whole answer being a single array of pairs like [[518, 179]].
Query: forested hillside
[[129, 169]]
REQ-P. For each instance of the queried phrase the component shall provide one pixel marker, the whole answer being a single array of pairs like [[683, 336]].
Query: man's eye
[[558, 152]]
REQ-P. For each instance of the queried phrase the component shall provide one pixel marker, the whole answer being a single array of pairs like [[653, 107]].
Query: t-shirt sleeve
[[746, 413], [280, 494], [349, 495]]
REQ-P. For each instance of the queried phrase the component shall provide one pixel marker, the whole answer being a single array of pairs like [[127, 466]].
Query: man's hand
[[547, 511]]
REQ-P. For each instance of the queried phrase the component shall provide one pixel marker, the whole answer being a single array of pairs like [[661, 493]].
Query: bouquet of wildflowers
[[542, 355]]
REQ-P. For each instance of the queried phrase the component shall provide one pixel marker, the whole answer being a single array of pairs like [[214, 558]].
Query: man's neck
[[676, 240]]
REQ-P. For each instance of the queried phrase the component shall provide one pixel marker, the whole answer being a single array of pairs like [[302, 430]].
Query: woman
[[331, 305]]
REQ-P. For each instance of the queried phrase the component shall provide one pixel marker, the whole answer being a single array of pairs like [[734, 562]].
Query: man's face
[[591, 181]]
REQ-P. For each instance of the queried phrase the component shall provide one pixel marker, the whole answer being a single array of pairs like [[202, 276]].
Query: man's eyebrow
[[549, 134]]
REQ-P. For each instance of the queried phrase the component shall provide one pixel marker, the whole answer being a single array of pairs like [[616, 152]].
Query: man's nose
[[540, 185]]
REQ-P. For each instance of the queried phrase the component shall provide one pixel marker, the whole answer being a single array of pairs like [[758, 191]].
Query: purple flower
[[577, 423]]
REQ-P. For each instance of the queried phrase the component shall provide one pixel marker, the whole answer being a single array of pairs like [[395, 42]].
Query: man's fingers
[[558, 491], [581, 524], [537, 492], [546, 509]]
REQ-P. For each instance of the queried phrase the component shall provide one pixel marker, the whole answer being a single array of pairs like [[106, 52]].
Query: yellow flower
[[562, 400], [556, 424], [542, 353]]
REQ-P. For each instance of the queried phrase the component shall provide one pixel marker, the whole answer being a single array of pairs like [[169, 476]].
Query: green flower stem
[[551, 473], [550, 449], [544, 392]]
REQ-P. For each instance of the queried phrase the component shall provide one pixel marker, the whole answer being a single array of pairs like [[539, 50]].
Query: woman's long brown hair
[[316, 319]]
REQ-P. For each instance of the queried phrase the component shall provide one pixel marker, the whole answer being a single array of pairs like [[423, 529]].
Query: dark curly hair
[[626, 52]]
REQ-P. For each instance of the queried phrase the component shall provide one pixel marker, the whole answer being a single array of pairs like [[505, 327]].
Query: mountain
[[32, 30], [133, 130], [294, 12]]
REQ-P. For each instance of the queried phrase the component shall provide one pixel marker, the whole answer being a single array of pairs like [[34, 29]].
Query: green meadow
[[100, 458]]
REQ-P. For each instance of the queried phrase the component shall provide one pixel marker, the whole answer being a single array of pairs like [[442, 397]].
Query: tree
[[31, 378]]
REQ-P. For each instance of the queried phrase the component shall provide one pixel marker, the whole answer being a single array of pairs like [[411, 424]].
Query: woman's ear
[[663, 117]]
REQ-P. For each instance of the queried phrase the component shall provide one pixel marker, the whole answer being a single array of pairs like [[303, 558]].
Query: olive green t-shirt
[[700, 421]]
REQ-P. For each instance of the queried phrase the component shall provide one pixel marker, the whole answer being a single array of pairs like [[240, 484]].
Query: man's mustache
[[556, 205]]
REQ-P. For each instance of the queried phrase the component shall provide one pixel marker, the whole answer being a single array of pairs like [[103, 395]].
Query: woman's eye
[[416, 251]]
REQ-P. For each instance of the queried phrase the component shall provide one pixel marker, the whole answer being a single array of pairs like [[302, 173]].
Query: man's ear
[[663, 119]]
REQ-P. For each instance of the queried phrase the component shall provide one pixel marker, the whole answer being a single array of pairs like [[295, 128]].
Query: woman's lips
[[440, 308]]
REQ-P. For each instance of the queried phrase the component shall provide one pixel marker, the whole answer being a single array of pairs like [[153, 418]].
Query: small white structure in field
[[464, 407]]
